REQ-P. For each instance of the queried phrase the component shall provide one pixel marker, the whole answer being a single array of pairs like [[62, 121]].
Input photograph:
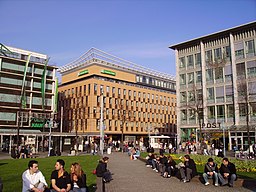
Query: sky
[[139, 31]]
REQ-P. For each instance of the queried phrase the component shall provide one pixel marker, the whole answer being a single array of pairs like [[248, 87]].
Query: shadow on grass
[[3, 164], [92, 187]]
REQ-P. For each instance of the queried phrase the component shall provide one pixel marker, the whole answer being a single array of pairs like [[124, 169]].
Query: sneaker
[[154, 169], [216, 184], [207, 183], [148, 165], [168, 175], [185, 181]]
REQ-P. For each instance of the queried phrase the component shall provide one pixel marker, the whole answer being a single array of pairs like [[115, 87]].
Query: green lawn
[[11, 170]]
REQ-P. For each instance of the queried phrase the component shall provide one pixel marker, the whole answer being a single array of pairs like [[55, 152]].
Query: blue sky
[[139, 31]]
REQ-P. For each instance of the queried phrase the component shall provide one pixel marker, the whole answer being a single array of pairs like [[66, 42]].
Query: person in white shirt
[[33, 179]]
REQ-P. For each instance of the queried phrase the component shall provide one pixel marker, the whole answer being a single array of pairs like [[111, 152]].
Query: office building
[[137, 101], [23, 109], [216, 83]]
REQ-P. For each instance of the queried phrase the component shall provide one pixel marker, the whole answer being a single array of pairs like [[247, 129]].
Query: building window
[[107, 89], [227, 52], [217, 54], [219, 73], [228, 73], [191, 96], [113, 90], [253, 109], [228, 90], [211, 112], [251, 68], [190, 78], [95, 88], [199, 76], [220, 111], [209, 74], [210, 93], [208, 56], [240, 69], [198, 59], [250, 48], [239, 50], [219, 92], [183, 115], [230, 111], [182, 62], [242, 109], [182, 79], [190, 60]]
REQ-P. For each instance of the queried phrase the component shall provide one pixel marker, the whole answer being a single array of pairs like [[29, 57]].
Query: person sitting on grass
[[78, 178], [210, 171], [60, 179], [189, 170], [227, 174], [33, 179]]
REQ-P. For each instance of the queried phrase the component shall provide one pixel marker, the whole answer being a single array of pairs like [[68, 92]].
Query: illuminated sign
[[108, 72], [37, 123], [83, 72]]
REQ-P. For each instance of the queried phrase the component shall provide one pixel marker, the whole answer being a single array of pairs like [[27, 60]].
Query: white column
[[101, 126], [178, 97], [234, 77], [203, 64]]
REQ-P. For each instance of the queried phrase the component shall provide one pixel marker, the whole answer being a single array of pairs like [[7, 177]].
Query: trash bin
[[109, 151]]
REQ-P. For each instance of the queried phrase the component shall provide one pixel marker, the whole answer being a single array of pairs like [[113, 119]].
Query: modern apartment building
[[23, 108], [216, 83], [137, 101]]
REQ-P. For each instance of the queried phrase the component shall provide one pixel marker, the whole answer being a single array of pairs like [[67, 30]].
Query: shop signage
[[108, 72], [83, 72], [37, 123], [211, 125]]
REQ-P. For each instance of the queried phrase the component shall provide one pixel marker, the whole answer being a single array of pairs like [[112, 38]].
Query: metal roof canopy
[[112, 61]]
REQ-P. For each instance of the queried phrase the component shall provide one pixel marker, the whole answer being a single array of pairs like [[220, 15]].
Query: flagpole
[[22, 99]]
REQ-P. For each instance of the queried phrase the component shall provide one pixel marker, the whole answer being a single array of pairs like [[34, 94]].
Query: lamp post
[[224, 141], [51, 124]]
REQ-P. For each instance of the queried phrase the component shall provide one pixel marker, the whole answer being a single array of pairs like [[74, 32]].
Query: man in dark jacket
[[211, 171], [189, 169], [227, 174], [102, 171]]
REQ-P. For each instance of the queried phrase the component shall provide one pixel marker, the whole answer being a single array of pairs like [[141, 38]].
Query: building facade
[[23, 108], [136, 101], [216, 83]]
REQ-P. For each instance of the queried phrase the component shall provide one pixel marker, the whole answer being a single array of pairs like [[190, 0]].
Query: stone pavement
[[133, 175]]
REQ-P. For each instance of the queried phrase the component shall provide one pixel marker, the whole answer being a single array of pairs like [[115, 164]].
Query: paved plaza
[[133, 175]]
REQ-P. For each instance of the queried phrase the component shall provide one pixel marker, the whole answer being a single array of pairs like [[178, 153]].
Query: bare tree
[[246, 105]]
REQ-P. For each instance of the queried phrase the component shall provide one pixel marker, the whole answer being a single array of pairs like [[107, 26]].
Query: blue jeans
[[230, 179], [214, 177]]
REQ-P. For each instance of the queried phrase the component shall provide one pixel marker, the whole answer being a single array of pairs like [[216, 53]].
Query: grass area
[[200, 161], [11, 169]]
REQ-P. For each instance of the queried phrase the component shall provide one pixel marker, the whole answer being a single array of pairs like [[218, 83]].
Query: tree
[[246, 92]]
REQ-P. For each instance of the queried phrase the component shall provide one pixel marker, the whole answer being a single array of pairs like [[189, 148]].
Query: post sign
[[211, 125], [108, 72], [83, 72]]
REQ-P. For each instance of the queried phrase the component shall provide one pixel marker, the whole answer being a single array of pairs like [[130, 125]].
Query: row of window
[[242, 49], [218, 73], [113, 90], [155, 82], [221, 111], [24, 57]]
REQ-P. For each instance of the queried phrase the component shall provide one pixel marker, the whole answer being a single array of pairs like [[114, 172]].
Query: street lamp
[[224, 141], [51, 124]]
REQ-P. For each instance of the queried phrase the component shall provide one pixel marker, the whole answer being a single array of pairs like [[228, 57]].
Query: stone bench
[[240, 182], [100, 185]]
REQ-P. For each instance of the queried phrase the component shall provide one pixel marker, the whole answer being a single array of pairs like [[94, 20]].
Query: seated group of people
[[163, 164], [61, 180], [186, 170]]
